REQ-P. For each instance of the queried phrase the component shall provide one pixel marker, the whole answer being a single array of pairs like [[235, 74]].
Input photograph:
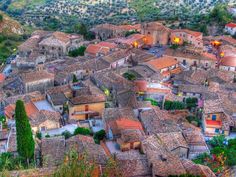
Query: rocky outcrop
[[10, 26]]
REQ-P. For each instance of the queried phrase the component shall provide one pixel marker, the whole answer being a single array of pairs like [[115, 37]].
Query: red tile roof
[[231, 25], [193, 33], [163, 62], [124, 124], [229, 61], [2, 77], [30, 109], [213, 122]]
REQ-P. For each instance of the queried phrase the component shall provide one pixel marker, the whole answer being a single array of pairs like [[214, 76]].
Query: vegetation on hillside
[[222, 155], [145, 9], [8, 45]]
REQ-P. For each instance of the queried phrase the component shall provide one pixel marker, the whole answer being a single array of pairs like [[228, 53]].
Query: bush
[[217, 141], [77, 52], [129, 76], [82, 131], [47, 136], [66, 134], [191, 103], [193, 119], [100, 135], [174, 105]]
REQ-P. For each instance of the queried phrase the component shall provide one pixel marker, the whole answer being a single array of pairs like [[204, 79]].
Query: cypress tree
[[25, 141]]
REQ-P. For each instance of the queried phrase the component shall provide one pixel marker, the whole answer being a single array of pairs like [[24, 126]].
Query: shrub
[[66, 134], [191, 103], [217, 141], [193, 119], [174, 105], [100, 135], [82, 131], [77, 52], [47, 136]]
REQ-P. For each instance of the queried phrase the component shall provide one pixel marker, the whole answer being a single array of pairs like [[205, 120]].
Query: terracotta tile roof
[[196, 169], [93, 49], [87, 99], [42, 116], [163, 162], [118, 113], [2, 77], [213, 106], [132, 163], [127, 124], [229, 61], [30, 109], [53, 151], [116, 56], [157, 121], [107, 44], [61, 36], [193, 33], [30, 44], [231, 25], [173, 140], [130, 27], [130, 136], [36, 76], [163, 62], [86, 145]]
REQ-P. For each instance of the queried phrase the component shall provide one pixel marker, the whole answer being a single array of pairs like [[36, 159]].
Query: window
[[213, 117], [217, 130], [43, 128]]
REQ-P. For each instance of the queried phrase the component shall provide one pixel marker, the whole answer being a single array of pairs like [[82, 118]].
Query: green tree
[[77, 52], [217, 141], [1, 17], [82, 131], [220, 14], [25, 141], [66, 134], [74, 79], [100, 135], [191, 103], [145, 9], [81, 29]]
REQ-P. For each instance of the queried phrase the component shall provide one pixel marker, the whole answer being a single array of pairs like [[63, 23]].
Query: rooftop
[[163, 62], [36, 76]]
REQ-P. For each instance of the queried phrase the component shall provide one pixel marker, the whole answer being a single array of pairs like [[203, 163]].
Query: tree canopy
[[25, 141], [145, 9]]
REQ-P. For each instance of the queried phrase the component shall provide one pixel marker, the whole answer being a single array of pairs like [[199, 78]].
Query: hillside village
[[151, 97]]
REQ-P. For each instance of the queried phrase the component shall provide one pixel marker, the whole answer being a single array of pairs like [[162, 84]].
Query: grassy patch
[[8, 45]]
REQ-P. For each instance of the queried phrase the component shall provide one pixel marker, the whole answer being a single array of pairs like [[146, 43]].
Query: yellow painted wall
[[218, 116], [97, 107]]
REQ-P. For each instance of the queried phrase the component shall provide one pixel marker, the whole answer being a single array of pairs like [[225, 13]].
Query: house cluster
[[122, 85]]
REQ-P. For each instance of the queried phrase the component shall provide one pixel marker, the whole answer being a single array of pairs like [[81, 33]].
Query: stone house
[[59, 44], [167, 66], [230, 28], [44, 120], [36, 81], [130, 139], [106, 31], [214, 120], [156, 33], [179, 36], [100, 49], [190, 58]]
